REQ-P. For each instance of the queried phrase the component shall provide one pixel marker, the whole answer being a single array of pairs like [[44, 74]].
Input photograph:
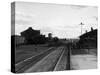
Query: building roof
[[30, 31]]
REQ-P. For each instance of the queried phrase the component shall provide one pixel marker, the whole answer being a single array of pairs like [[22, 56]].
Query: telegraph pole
[[81, 27]]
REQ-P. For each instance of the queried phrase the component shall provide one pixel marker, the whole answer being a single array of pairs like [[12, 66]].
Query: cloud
[[23, 18], [22, 14], [23, 22]]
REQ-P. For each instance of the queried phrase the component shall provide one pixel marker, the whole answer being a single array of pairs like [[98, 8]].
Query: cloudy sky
[[60, 20]]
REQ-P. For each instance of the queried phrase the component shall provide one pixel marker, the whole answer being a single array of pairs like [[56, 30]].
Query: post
[[68, 57], [81, 27]]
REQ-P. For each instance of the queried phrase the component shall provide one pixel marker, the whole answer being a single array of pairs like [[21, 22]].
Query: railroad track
[[51, 60], [21, 66], [62, 62]]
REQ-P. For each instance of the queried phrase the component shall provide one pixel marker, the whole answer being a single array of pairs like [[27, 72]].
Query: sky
[[62, 21]]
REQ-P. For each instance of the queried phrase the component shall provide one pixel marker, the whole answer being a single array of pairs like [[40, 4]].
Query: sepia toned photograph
[[53, 37]]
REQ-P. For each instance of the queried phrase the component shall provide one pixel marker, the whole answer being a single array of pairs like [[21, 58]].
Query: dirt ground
[[26, 51]]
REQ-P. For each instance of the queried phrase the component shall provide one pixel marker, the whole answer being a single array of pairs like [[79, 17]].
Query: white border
[[5, 27]]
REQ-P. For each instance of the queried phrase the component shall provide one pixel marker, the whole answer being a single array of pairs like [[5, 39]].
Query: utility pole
[[81, 27]]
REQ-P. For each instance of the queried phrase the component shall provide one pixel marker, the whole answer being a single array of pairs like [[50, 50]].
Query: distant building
[[33, 36], [18, 40], [89, 39], [50, 35], [29, 33]]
